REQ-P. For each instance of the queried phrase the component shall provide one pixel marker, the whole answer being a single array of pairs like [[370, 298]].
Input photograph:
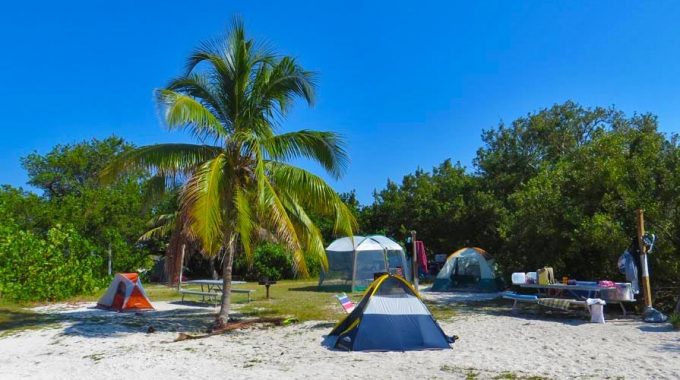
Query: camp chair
[[346, 303]]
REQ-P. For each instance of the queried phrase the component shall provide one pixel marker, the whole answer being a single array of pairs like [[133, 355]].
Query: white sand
[[94, 344]]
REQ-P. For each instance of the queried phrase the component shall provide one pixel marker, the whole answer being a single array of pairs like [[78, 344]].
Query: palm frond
[[160, 226], [313, 193], [273, 213], [244, 221], [309, 235], [202, 200], [287, 80], [165, 159], [158, 186], [326, 148], [201, 88], [185, 112]]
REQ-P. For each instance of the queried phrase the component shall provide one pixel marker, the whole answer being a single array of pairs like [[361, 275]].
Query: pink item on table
[[607, 284]]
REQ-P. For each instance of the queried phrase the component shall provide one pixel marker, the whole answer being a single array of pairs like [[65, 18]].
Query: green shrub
[[675, 321], [273, 262], [61, 265], [270, 261]]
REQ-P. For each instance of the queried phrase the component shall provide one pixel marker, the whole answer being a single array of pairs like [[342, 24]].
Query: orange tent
[[125, 294]]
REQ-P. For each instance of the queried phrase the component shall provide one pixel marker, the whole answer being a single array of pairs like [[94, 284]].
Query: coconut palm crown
[[237, 186]]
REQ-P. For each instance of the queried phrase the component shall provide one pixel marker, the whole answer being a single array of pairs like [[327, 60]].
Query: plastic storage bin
[[519, 278], [532, 277]]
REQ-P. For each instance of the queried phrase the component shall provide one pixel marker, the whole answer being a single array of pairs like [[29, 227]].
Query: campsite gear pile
[[542, 276], [390, 317], [469, 269], [125, 294], [630, 262], [355, 259], [546, 276]]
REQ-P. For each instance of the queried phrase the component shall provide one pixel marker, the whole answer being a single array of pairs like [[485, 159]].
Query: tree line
[[558, 187]]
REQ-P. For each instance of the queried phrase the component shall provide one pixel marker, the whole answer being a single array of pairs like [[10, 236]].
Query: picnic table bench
[[211, 289]]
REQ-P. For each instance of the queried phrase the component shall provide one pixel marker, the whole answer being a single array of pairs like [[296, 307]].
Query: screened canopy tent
[[390, 317], [354, 261], [469, 269]]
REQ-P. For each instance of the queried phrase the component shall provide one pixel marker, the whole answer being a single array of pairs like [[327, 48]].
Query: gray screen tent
[[354, 261]]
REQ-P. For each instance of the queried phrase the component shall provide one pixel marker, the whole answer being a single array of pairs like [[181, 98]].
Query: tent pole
[[354, 265], [415, 260], [647, 291]]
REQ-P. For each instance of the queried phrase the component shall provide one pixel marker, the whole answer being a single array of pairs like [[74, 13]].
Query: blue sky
[[408, 85]]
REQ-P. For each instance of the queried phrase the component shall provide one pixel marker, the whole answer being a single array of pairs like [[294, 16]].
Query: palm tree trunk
[[230, 247]]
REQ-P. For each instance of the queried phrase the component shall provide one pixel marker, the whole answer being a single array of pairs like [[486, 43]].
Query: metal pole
[[415, 260], [181, 267], [647, 291], [110, 261]]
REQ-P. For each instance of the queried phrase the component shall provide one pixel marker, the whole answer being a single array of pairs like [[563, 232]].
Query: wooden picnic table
[[212, 289], [212, 285], [593, 291]]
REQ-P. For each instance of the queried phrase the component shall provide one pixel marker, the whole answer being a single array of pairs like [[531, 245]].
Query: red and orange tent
[[125, 294]]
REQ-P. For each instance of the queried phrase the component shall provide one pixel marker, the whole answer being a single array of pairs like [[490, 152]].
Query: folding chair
[[346, 303]]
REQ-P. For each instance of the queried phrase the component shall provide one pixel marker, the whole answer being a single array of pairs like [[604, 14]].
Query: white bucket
[[596, 307]]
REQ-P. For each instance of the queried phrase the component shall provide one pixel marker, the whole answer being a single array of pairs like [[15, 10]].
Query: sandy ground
[[94, 344]]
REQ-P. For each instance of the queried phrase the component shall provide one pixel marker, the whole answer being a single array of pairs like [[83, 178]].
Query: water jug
[[519, 278]]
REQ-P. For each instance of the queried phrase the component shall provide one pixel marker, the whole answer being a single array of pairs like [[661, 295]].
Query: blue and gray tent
[[468, 269], [390, 317]]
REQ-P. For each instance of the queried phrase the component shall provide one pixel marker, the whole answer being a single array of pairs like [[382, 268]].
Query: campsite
[[372, 190]]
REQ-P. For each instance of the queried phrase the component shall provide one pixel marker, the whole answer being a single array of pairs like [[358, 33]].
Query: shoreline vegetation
[[530, 203]]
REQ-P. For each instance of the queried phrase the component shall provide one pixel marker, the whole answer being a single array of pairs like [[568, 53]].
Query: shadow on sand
[[95, 323], [16, 320], [657, 327]]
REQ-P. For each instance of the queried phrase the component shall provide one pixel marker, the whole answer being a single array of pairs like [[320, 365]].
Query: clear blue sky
[[407, 85]]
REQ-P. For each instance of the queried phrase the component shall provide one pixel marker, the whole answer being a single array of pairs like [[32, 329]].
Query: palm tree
[[237, 185]]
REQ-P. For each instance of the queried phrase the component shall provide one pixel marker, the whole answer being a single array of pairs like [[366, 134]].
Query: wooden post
[[646, 289], [181, 268], [415, 260]]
